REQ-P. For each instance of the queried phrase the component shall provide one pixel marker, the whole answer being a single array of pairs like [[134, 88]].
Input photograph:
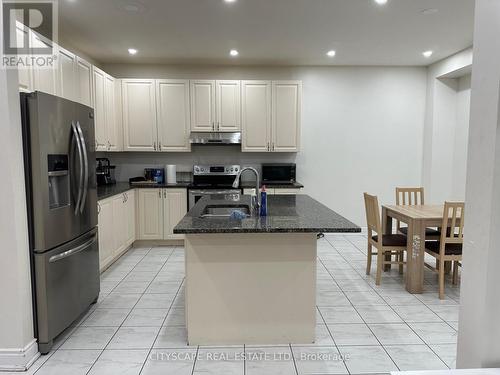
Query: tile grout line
[[79, 325], [114, 334], [404, 321], [385, 350]]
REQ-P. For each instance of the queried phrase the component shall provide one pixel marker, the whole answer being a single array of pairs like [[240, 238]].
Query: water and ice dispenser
[[59, 181]]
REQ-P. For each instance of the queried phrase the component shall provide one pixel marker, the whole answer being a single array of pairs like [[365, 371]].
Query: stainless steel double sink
[[224, 210]]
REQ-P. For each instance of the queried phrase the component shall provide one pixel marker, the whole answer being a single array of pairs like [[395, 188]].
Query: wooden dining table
[[417, 217]]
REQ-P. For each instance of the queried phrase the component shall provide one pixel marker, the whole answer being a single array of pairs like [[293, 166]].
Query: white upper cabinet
[[256, 116], [66, 75], [84, 82], [44, 79], [173, 118], [203, 105], [286, 116], [139, 115], [112, 130], [101, 136], [228, 99], [25, 74]]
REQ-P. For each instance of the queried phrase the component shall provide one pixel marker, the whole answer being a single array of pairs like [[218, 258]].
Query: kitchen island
[[253, 280]]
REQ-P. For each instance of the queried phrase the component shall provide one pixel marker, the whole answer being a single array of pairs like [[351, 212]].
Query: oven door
[[196, 194]]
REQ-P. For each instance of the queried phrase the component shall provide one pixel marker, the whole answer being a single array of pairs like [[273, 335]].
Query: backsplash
[[132, 164]]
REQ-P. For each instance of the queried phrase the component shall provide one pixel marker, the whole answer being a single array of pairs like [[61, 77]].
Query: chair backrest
[[372, 215], [409, 196], [453, 219]]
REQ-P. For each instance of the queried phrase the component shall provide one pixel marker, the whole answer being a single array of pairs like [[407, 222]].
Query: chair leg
[[455, 272], [401, 259], [447, 268], [442, 271], [380, 266], [369, 259]]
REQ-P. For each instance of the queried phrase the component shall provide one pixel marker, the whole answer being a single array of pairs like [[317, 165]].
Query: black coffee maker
[[105, 172]]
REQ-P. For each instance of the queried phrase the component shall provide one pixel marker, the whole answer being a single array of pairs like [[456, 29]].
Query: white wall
[[479, 328], [446, 128], [17, 344], [362, 129]]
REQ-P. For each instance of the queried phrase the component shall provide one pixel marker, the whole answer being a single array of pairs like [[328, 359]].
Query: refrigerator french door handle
[[73, 251], [80, 158], [86, 164]]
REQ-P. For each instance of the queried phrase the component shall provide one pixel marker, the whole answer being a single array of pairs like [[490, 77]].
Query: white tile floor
[[137, 326]]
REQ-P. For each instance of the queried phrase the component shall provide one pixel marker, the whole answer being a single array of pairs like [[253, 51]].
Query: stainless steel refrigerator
[[59, 158]]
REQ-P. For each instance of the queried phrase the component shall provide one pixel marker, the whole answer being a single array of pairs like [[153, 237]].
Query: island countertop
[[286, 214]]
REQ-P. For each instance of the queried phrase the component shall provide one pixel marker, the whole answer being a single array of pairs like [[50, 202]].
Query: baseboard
[[158, 243], [19, 359]]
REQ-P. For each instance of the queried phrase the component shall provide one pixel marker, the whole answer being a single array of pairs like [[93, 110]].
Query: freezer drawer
[[67, 283]]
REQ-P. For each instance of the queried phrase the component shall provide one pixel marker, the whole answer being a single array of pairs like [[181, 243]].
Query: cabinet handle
[[213, 125], [159, 193], [154, 146], [164, 193], [268, 146], [273, 146], [159, 146], [218, 126], [96, 145], [98, 208]]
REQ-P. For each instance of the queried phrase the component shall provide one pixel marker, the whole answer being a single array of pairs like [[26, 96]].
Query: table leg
[[387, 229], [415, 256]]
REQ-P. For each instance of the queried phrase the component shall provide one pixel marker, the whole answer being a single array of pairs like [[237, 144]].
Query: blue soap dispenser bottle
[[263, 201]]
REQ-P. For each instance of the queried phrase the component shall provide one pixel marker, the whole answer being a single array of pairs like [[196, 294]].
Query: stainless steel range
[[212, 180]]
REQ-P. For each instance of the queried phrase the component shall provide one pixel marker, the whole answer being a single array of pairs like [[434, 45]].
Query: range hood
[[219, 138]]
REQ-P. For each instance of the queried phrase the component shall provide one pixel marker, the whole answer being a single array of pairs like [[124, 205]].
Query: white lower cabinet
[[116, 223], [159, 211]]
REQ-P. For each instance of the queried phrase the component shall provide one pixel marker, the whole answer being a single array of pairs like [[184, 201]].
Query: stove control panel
[[216, 170]]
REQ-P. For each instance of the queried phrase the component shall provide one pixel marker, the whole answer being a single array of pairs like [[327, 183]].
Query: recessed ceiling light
[[381, 2], [427, 54], [331, 53], [234, 53], [132, 51], [230, 1]]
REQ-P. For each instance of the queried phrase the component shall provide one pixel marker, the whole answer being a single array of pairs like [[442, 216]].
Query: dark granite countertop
[[107, 191], [251, 185], [286, 214]]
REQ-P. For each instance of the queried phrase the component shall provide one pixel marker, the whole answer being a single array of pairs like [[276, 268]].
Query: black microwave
[[279, 173]]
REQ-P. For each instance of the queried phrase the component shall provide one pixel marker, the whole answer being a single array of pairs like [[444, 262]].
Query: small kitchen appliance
[[105, 172], [279, 173]]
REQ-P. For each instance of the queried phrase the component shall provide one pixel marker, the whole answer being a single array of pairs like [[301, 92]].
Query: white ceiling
[[267, 32]]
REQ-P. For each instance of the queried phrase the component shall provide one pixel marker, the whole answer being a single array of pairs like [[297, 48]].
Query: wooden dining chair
[[386, 244], [413, 196], [449, 247]]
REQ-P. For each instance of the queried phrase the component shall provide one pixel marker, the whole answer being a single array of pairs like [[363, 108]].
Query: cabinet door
[[174, 209], [105, 224], [256, 116], [202, 106], [172, 103], [66, 75], [44, 79], [150, 214], [84, 82], [25, 73], [130, 212], [228, 97], [99, 110], [286, 109], [112, 130], [120, 223], [139, 115]]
